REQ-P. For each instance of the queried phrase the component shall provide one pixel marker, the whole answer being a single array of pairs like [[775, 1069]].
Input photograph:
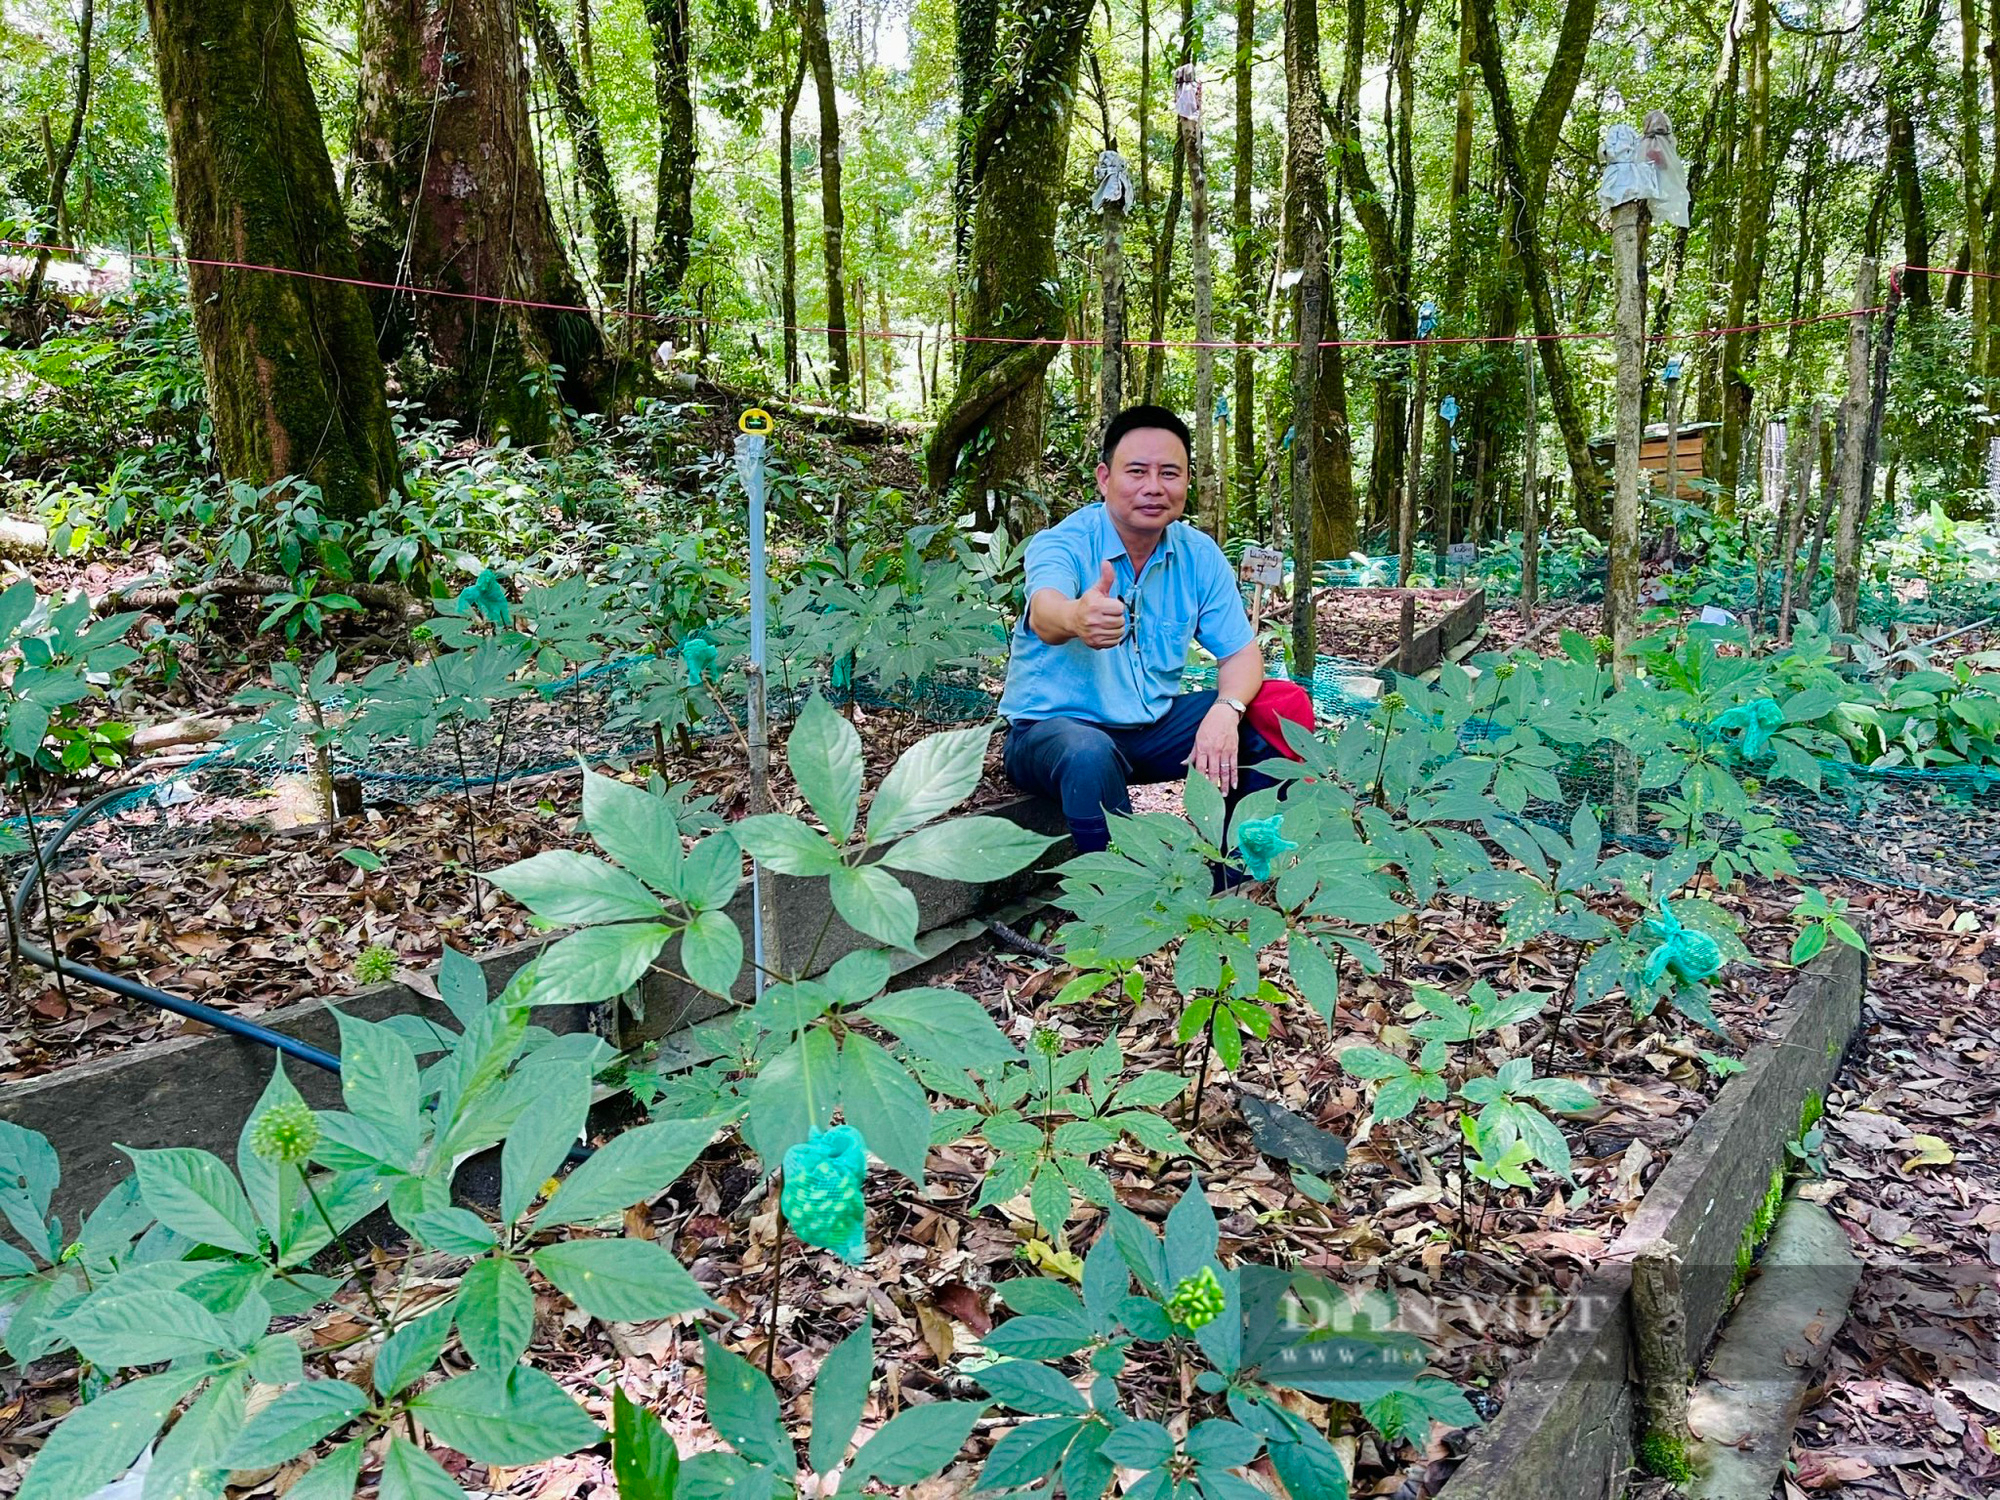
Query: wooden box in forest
[[1691, 450]]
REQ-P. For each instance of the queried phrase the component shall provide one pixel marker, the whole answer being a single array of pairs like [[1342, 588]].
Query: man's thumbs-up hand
[[1100, 618]]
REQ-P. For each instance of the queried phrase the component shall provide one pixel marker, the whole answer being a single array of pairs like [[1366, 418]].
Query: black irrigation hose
[[132, 989]]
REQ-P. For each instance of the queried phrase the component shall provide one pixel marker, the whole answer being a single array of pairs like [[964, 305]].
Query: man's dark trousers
[[1088, 767]]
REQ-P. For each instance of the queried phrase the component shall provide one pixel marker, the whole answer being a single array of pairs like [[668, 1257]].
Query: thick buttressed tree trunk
[[1020, 151], [673, 96], [607, 223], [819, 57], [294, 381], [449, 196], [1586, 474]]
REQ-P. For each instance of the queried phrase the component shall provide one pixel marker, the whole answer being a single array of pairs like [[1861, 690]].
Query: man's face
[[1145, 486]]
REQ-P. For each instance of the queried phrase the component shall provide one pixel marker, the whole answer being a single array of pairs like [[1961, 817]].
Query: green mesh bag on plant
[[822, 1196]]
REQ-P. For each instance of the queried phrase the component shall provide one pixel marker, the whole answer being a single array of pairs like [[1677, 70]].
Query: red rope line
[[863, 333]]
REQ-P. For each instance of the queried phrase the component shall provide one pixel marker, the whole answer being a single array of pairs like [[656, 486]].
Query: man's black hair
[[1137, 418]]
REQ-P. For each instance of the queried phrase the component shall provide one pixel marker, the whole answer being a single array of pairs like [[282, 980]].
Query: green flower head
[[1260, 841], [375, 964], [1506, 669], [286, 1133], [1690, 956], [699, 654], [822, 1195], [1394, 703], [1048, 1041], [1197, 1300], [487, 597]]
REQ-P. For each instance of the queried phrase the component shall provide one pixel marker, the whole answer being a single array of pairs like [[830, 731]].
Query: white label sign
[[1263, 565], [1462, 554]]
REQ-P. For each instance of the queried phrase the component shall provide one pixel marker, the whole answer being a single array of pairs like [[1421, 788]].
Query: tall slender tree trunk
[[1244, 413], [1163, 243], [586, 52], [607, 222], [788, 290], [1753, 194], [667, 22], [61, 162], [1208, 474], [1586, 474], [819, 55], [449, 197], [1019, 154], [1461, 173], [1898, 80], [1971, 118], [294, 382], [1323, 511]]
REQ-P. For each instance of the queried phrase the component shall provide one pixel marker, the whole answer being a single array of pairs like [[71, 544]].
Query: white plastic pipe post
[[750, 468]]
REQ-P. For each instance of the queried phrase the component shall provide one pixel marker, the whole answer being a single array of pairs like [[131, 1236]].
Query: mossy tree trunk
[[1020, 150], [294, 381], [449, 197], [673, 94]]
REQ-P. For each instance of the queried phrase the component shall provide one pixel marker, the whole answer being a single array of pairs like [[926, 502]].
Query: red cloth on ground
[[1276, 700]]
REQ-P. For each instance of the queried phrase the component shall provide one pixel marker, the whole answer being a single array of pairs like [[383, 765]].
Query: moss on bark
[[295, 385]]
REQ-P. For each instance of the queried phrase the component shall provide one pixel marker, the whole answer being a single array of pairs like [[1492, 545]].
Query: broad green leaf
[[629, 1169], [1222, 1444], [496, 1312], [620, 1280], [929, 779], [1139, 1445], [1314, 974], [877, 905], [840, 1394], [824, 753], [712, 952], [569, 889], [409, 1473], [889, 1107], [1032, 1387], [187, 1464], [1029, 1453], [515, 1416], [946, 1026], [98, 1441], [1191, 1236], [333, 1477], [975, 850], [295, 1421], [1807, 945], [192, 1193], [540, 1140], [714, 870], [635, 828], [116, 1328], [1038, 1337], [795, 1092], [1203, 803], [916, 1443], [412, 1349], [785, 845], [743, 1407], [644, 1460], [378, 1081], [597, 963], [456, 1231]]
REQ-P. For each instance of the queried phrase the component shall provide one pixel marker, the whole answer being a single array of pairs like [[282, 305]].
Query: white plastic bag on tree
[[1627, 178], [1114, 182], [1187, 92], [1669, 200]]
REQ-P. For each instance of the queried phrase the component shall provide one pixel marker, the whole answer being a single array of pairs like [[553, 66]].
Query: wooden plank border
[[1567, 1429], [197, 1090]]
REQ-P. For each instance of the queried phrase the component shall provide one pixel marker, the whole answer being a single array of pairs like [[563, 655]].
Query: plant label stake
[[752, 429], [1262, 568]]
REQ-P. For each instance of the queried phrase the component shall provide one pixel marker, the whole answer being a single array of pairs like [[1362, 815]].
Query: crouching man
[[1115, 592]]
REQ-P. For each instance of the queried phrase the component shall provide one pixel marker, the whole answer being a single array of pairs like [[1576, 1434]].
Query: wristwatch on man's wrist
[[1235, 703]]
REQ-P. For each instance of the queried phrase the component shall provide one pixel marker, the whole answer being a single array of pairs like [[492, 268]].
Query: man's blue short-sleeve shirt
[[1187, 592]]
